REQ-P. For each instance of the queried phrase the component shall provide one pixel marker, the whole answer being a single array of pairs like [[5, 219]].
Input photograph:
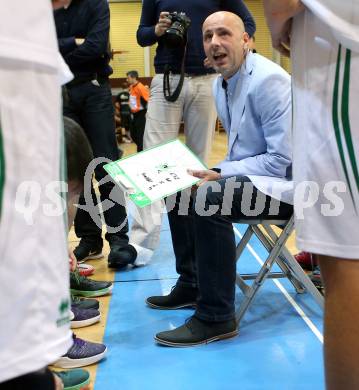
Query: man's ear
[[245, 40]]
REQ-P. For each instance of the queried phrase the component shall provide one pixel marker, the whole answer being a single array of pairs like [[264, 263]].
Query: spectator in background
[[194, 106], [83, 37], [123, 114], [139, 96]]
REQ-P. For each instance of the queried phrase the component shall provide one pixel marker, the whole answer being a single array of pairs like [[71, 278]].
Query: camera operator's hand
[[163, 24], [205, 175]]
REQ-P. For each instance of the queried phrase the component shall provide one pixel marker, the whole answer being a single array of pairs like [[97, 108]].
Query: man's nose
[[215, 41]]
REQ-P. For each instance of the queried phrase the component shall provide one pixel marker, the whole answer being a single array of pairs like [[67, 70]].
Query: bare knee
[[340, 275]]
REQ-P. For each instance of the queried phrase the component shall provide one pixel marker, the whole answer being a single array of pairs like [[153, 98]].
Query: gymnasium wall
[[125, 18]]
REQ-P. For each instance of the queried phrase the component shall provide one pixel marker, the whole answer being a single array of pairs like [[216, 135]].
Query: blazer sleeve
[[273, 108]]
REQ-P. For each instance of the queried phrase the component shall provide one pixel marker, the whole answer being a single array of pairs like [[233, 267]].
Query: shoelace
[[78, 277], [75, 299]]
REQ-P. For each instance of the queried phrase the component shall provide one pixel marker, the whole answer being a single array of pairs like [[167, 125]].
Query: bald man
[[253, 102], [323, 38]]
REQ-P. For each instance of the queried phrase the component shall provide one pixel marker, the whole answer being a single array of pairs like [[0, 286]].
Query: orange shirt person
[[139, 95]]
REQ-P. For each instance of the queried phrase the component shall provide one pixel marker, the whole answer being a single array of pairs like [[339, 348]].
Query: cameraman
[[194, 106]]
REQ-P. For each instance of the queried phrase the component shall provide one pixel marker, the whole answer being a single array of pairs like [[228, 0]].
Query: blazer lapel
[[221, 103], [240, 97]]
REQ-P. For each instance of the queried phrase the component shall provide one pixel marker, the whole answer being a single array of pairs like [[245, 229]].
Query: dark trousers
[[204, 245], [137, 128], [39, 380], [91, 106]]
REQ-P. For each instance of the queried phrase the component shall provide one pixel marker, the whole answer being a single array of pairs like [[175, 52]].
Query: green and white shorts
[[326, 140], [34, 269]]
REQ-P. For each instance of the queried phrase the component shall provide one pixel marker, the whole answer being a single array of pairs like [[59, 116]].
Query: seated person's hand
[[207, 64], [117, 119], [72, 260], [59, 385], [205, 175]]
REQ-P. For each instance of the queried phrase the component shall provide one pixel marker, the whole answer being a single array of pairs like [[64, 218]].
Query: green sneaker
[[74, 379], [85, 287]]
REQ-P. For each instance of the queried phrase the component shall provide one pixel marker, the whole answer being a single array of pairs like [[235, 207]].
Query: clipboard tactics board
[[155, 173]]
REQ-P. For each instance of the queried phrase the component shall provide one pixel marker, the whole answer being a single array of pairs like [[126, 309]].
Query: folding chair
[[277, 254]]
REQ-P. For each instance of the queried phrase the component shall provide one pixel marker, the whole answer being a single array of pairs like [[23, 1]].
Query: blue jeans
[[205, 248], [91, 106]]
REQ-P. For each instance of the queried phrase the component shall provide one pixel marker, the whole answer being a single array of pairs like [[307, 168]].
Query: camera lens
[[175, 35]]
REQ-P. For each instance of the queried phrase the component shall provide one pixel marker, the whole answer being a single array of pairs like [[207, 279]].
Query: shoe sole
[[83, 323], [184, 305], [91, 294], [207, 341], [65, 362], [81, 386], [91, 257]]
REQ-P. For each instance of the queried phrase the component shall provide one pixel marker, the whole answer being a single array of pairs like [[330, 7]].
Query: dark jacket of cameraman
[[197, 11]]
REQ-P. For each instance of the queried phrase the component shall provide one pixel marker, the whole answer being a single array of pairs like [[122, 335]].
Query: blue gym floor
[[279, 346]]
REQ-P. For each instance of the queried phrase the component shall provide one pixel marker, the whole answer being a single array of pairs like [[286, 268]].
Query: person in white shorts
[[323, 39], [34, 276]]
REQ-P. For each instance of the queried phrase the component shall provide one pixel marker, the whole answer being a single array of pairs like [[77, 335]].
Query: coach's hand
[[205, 175]]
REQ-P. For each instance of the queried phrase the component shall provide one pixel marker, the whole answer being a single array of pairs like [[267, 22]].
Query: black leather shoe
[[178, 298], [121, 256], [196, 332]]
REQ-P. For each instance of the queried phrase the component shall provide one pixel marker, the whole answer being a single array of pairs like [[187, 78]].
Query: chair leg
[[239, 249], [299, 273], [263, 272], [244, 241], [268, 244]]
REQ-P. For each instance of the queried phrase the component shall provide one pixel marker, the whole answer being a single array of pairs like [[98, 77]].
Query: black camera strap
[[166, 80]]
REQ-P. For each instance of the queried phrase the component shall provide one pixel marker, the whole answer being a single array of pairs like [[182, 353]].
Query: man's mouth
[[218, 57]]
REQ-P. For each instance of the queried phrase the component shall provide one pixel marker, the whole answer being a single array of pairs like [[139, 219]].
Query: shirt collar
[[230, 84]]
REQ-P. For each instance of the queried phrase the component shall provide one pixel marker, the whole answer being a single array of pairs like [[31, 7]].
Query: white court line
[[298, 309]]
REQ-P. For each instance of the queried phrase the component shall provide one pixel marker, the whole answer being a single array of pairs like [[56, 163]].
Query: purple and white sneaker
[[82, 353], [83, 317]]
